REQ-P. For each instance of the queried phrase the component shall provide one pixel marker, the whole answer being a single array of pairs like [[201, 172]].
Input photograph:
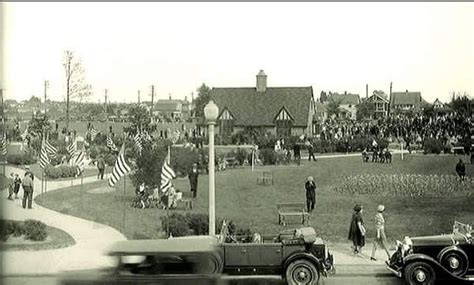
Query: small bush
[[268, 156], [64, 171], [17, 228], [176, 225], [110, 159], [24, 158], [198, 223], [35, 230], [432, 146]]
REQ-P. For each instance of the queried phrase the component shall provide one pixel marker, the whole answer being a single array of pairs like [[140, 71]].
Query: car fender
[[456, 249], [304, 255], [439, 269]]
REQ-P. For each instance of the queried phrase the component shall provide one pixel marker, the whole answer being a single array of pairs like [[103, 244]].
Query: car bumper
[[396, 272]]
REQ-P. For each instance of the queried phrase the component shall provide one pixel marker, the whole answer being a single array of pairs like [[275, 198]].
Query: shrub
[[35, 230], [176, 225], [26, 157], [17, 228], [432, 146], [268, 156], [55, 172], [110, 159], [182, 159]]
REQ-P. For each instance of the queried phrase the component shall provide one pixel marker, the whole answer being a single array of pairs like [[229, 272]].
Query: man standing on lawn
[[101, 168], [310, 187], [27, 191], [297, 153], [29, 173], [461, 170], [193, 179]]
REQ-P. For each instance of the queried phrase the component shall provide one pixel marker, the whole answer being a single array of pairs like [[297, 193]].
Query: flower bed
[[405, 185]]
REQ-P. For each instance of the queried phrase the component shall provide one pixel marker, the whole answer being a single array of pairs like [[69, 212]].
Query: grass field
[[240, 199], [3, 181]]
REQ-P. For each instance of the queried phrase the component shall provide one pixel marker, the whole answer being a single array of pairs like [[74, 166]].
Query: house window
[[226, 123], [283, 124]]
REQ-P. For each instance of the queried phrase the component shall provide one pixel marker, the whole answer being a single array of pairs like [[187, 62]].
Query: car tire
[[301, 272], [419, 273], [455, 262]]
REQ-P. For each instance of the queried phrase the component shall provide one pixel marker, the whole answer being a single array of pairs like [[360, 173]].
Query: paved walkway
[[92, 239]]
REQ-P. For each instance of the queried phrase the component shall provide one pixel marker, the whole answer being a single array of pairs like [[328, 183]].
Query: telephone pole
[[138, 97], [152, 97], [105, 102], [46, 85]]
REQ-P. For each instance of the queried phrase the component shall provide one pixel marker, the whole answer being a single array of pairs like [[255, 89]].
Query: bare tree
[[75, 82]]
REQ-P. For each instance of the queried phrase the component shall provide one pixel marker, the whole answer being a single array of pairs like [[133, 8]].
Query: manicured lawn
[[3, 182], [56, 239], [37, 171], [240, 199]]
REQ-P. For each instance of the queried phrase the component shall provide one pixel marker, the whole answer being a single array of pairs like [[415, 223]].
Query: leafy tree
[[203, 97], [75, 82], [149, 165], [139, 118], [462, 104], [333, 107], [323, 97], [365, 110], [39, 123]]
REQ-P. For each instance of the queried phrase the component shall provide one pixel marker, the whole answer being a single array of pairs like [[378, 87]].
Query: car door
[[236, 254], [270, 254]]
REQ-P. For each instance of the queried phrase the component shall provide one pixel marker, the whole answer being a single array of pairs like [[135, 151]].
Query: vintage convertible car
[[423, 260], [297, 255]]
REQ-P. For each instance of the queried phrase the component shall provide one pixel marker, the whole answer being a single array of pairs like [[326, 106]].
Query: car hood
[[441, 240]]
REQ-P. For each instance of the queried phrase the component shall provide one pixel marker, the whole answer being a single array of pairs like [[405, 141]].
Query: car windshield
[[460, 228]]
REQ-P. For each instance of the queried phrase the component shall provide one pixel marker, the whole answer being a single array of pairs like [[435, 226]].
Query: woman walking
[[380, 238], [357, 229]]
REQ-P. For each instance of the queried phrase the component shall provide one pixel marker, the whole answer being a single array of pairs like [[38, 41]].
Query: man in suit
[[310, 187], [27, 191], [193, 179], [297, 153], [101, 168]]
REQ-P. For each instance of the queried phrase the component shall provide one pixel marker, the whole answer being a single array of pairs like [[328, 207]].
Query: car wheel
[[419, 273], [455, 262], [301, 272]]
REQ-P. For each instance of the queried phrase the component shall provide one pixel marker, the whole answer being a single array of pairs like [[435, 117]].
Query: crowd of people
[[450, 127]]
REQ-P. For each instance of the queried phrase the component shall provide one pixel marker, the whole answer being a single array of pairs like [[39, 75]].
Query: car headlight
[[406, 245]]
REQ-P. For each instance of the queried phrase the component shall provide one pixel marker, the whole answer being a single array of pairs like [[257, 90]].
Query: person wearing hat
[[29, 173], [357, 229], [380, 238], [310, 187], [193, 179]]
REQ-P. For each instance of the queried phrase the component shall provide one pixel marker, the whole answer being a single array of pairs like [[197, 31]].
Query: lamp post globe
[[211, 111]]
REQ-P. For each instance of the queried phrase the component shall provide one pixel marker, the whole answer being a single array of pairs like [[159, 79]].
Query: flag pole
[[253, 158], [168, 206], [123, 198], [401, 148]]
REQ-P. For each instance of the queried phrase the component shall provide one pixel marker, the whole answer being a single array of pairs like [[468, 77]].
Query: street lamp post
[[211, 111]]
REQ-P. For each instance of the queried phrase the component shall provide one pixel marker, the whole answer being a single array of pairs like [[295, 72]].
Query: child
[[17, 183], [10, 186]]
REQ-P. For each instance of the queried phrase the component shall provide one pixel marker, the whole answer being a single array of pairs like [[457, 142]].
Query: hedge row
[[198, 224], [64, 171], [32, 229], [24, 158]]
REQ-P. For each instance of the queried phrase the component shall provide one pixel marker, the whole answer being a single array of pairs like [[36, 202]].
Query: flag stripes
[[50, 149], [138, 141], [44, 159], [111, 144], [71, 148], [120, 169], [79, 162], [167, 174], [3, 144]]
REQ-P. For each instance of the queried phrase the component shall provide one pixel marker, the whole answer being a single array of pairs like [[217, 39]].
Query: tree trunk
[[67, 104]]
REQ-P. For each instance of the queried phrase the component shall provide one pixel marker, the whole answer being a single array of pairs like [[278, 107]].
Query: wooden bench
[[292, 209], [265, 178], [231, 161], [458, 149]]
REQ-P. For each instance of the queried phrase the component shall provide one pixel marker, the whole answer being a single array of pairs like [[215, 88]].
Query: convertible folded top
[[194, 244]]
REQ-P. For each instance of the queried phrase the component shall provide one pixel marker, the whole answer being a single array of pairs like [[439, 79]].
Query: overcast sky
[[339, 47]]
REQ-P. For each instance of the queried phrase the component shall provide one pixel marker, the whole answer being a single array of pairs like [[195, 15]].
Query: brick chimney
[[261, 81]]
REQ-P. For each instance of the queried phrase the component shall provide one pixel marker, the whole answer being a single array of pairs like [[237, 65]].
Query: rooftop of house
[[406, 98], [251, 108], [345, 99]]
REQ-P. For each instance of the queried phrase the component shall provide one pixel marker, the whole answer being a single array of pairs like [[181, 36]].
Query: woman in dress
[[380, 238], [357, 229]]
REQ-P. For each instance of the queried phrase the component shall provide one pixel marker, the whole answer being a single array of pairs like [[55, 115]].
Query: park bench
[[458, 150], [231, 161], [292, 210], [265, 178]]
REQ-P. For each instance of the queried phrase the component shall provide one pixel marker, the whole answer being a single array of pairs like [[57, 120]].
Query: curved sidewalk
[[92, 239]]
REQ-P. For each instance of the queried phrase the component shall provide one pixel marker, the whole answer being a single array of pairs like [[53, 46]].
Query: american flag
[[71, 148], [3, 144], [167, 174], [111, 144], [93, 133], [79, 162], [138, 141], [50, 149], [120, 169], [44, 159]]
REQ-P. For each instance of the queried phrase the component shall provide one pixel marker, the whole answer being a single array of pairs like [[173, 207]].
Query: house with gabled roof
[[281, 111], [347, 104], [381, 104], [406, 101]]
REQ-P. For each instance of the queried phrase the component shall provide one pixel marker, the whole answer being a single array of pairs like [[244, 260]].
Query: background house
[[402, 102], [347, 104], [282, 111], [380, 103]]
